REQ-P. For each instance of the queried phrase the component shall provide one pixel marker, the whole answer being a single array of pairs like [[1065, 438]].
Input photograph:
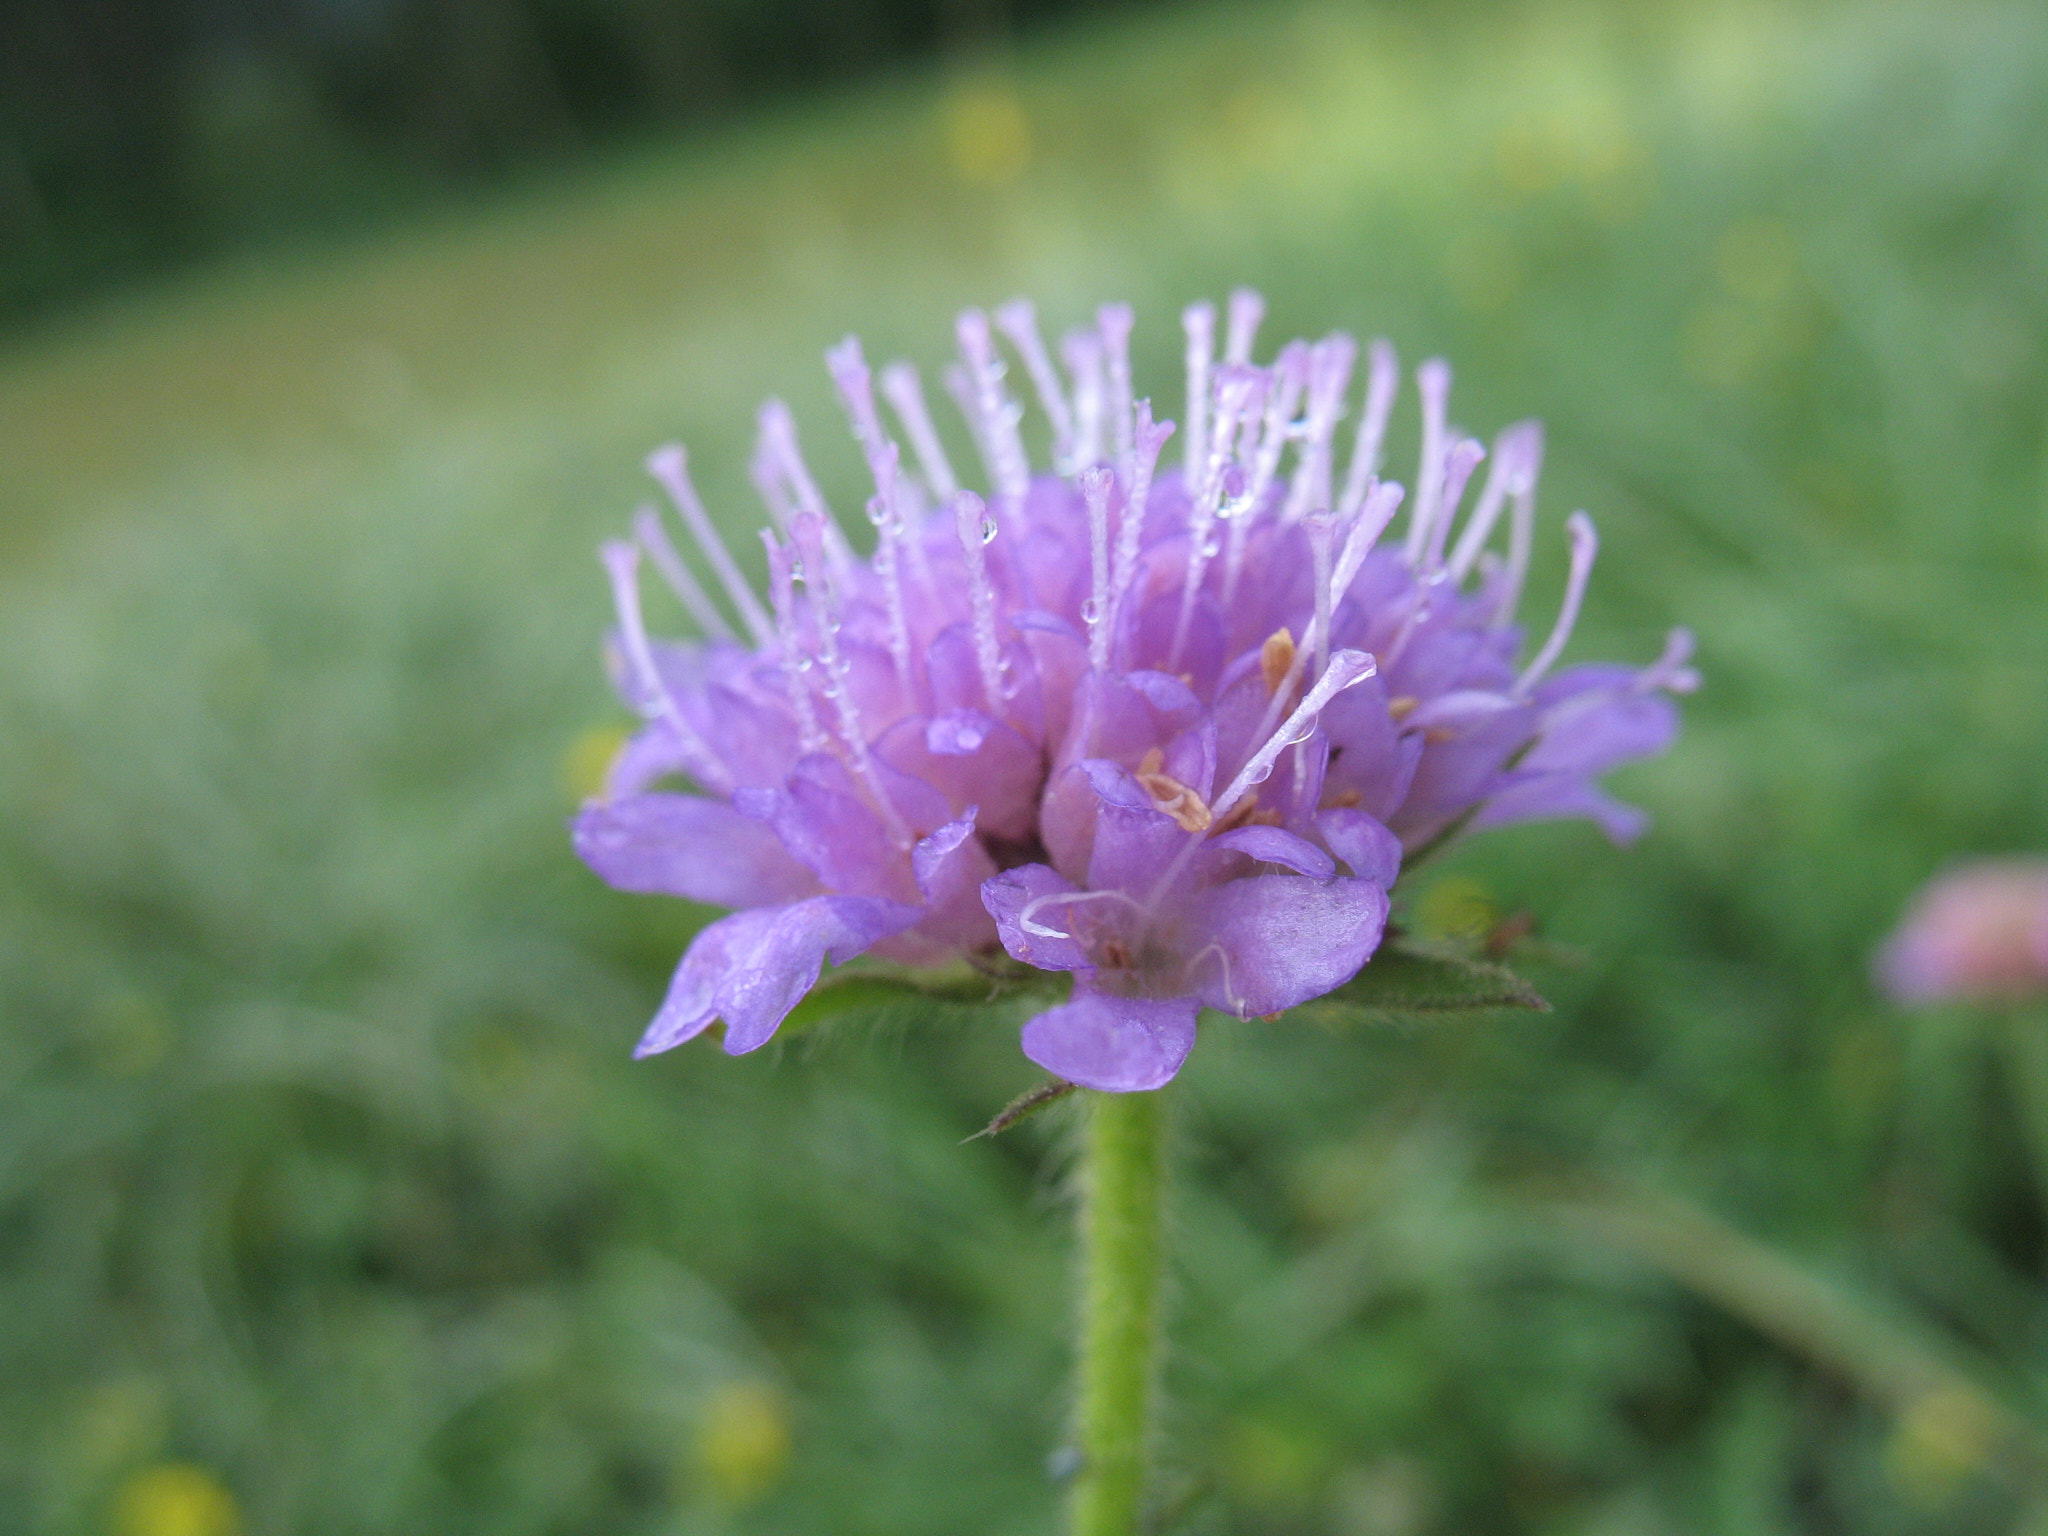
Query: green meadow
[[330, 1199]]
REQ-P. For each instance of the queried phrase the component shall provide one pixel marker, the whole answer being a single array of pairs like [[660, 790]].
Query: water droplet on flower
[[988, 530], [796, 570], [1090, 611]]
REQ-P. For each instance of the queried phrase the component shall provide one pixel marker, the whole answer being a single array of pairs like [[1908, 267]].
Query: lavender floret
[[1172, 728]]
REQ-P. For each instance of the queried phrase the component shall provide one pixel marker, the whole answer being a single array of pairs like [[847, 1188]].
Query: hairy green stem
[[1124, 1175]]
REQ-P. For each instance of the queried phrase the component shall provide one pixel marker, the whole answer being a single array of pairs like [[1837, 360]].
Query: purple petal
[[1000, 773], [1113, 1044], [1190, 758], [1592, 732], [1134, 839], [1282, 939], [754, 737], [692, 1000], [1066, 821], [950, 664], [1552, 796], [950, 866], [680, 845], [1460, 708], [1369, 756], [753, 967], [1059, 658], [1363, 842], [651, 755], [1114, 719], [757, 993], [1273, 845], [823, 821], [958, 732], [1008, 895], [1457, 774], [1168, 696]]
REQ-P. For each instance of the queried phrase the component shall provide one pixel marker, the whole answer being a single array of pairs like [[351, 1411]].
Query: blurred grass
[[329, 1200]]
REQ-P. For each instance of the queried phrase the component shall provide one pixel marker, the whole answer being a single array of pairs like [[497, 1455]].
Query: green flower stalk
[[1122, 1256]]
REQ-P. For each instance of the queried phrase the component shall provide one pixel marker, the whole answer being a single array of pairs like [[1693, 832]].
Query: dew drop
[[1090, 611], [988, 530]]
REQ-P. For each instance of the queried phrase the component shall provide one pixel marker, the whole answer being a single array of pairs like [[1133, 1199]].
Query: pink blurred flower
[[1978, 933]]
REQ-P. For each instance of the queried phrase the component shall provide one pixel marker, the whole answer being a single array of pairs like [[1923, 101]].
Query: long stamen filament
[[975, 529], [1234, 395], [888, 537], [1081, 350], [1008, 468], [671, 468], [1516, 453], [1462, 459], [1113, 322], [622, 564], [1433, 380], [1247, 309], [1149, 439], [689, 592], [1199, 323], [1585, 546], [900, 387], [1372, 521], [1330, 363], [1521, 542], [1383, 383], [1283, 393], [1320, 531], [808, 534], [1096, 482], [1345, 668], [1018, 320], [796, 660], [778, 436]]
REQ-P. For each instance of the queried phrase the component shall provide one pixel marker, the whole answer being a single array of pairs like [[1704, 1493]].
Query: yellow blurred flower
[[1456, 907], [987, 132], [743, 1441], [175, 1498], [589, 759], [1942, 1438]]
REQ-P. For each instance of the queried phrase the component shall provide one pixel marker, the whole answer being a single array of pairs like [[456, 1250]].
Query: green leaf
[[1412, 977]]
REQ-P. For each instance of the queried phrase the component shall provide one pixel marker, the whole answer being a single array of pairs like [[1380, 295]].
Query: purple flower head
[[1168, 726], [1976, 934]]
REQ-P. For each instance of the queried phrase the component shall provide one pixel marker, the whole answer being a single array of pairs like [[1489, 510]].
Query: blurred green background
[[329, 1199]]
